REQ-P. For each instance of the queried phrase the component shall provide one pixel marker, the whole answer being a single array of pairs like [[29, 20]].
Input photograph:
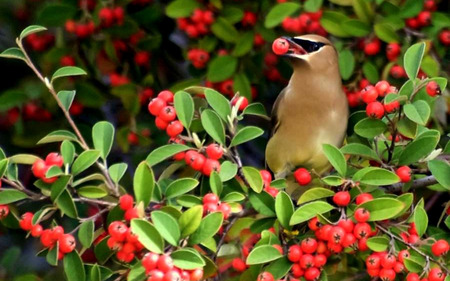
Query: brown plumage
[[312, 110]]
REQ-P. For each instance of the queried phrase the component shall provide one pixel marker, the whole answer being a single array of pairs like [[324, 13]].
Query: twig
[[423, 182], [20, 187], [384, 230], [94, 201]]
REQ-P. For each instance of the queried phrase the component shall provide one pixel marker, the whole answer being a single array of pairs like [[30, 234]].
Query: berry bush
[[132, 137]]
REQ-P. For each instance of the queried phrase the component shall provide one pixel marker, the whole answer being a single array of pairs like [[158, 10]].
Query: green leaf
[[162, 153], [263, 203], [227, 171], [102, 251], [413, 58], [167, 226], [137, 273], [346, 64], [117, 171], [73, 267], [143, 183], [241, 85], [68, 71], [11, 196], [148, 235], [379, 176], [411, 8], [66, 98], [263, 254], [55, 14], [244, 44], [213, 125], [417, 150], [30, 30], [52, 255], [190, 220], [414, 264], [370, 128], [360, 150], [382, 208], [13, 53], [246, 134], [332, 22], [181, 8], [92, 192], [59, 186], [279, 12], [441, 171], [26, 159], [255, 109], [253, 178], [336, 158], [333, 180], [233, 197], [378, 243], [314, 194], [313, 5], [309, 211], [86, 233], [221, 68], [66, 204], [184, 107], [3, 166], [279, 268], [284, 208], [84, 161], [356, 27], [407, 128], [57, 136], [219, 103], [418, 112], [363, 10], [224, 30], [187, 258], [420, 219], [215, 182], [386, 33], [103, 137], [209, 226], [370, 71], [180, 186]]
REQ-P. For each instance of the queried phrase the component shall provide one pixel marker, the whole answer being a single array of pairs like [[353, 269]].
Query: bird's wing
[[274, 121]]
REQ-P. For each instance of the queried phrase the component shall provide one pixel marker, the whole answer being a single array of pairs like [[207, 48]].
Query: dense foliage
[[171, 185]]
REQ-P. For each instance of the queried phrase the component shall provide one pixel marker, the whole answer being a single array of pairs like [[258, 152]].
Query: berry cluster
[[116, 79], [40, 42], [124, 242], [212, 204], [161, 268], [305, 23], [198, 24], [80, 29], [271, 71], [33, 111], [205, 165], [110, 16], [40, 167], [267, 179], [198, 57], [126, 203], [49, 237], [166, 117], [423, 19]]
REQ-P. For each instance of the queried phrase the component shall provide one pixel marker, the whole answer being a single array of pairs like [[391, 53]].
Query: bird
[[310, 111]]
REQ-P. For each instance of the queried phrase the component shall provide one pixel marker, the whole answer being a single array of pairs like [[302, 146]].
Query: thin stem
[[19, 186], [384, 230], [94, 201], [423, 182], [83, 143]]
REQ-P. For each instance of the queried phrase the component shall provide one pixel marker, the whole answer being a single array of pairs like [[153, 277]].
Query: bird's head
[[311, 51]]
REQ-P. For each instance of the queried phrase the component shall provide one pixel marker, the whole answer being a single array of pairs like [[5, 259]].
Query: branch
[[423, 182]]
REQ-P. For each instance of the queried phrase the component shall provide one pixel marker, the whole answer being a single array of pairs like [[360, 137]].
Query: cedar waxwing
[[312, 110]]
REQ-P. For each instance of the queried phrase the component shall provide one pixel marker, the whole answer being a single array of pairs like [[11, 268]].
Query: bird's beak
[[295, 47]]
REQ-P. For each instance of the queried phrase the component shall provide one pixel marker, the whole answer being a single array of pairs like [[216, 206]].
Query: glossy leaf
[[253, 178], [314, 194], [103, 137], [441, 171], [86, 159], [209, 226], [167, 226], [184, 107], [190, 220], [57, 136], [162, 153], [11, 196], [73, 267], [378, 243], [86, 233], [215, 182], [370, 128], [13, 53], [263, 203], [336, 158], [379, 176], [117, 171], [413, 58], [346, 64], [219, 103], [92, 192], [358, 149], [213, 125], [67, 152], [148, 235], [420, 219], [224, 30], [66, 71], [279, 12], [382, 208], [187, 258], [263, 254], [284, 208], [181, 8], [143, 183], [66, 98], [309, 210], [227, 171], [418, 112], [246, 134], [59, 186], [180, 186], [417, 150]]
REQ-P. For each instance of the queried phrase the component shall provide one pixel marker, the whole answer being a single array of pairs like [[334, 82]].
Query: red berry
[[243, 102], [362, 244], [362, 230], [433, 89], [392, 106], [118, 230], [387, 274], [167, 113], [372, 48], [404, 173], [369, 94], [155, 105], [308, 245], [363, 197], [337, 234], [440, 247], [373, 272], [393, 51], [294, 253], [444, 37], [196, 274], [373, 262], [302, 176], [210, 166], [239, 265], [106, 16], [46, 238], [402, 255], [142, 58], [424, 18], [349, 240], [266, 176], [36, 230], [320, 260], [161, 124], [174, 128], [165, 263], [388, 261], [150, 261], [436, 274], [306, 261], [225, 209], [194, 159], [26, 221], [67, 243], [313, 224], [67, 61], [297, 271], [412, 277], [126, 202], [265, 276], [362, 215], [399, 267], [130, 214], [39, 168], [280, 46], [347, 225], [397, 71], [119, 15], [382, 88], [155, 275], [312, 274], [375, 110], [4, 211], [342, 198], [210, 198], [166, 96], [214, 151]]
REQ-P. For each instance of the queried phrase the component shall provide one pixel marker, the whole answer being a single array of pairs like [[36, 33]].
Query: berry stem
[[384, 230], [114, 189]]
